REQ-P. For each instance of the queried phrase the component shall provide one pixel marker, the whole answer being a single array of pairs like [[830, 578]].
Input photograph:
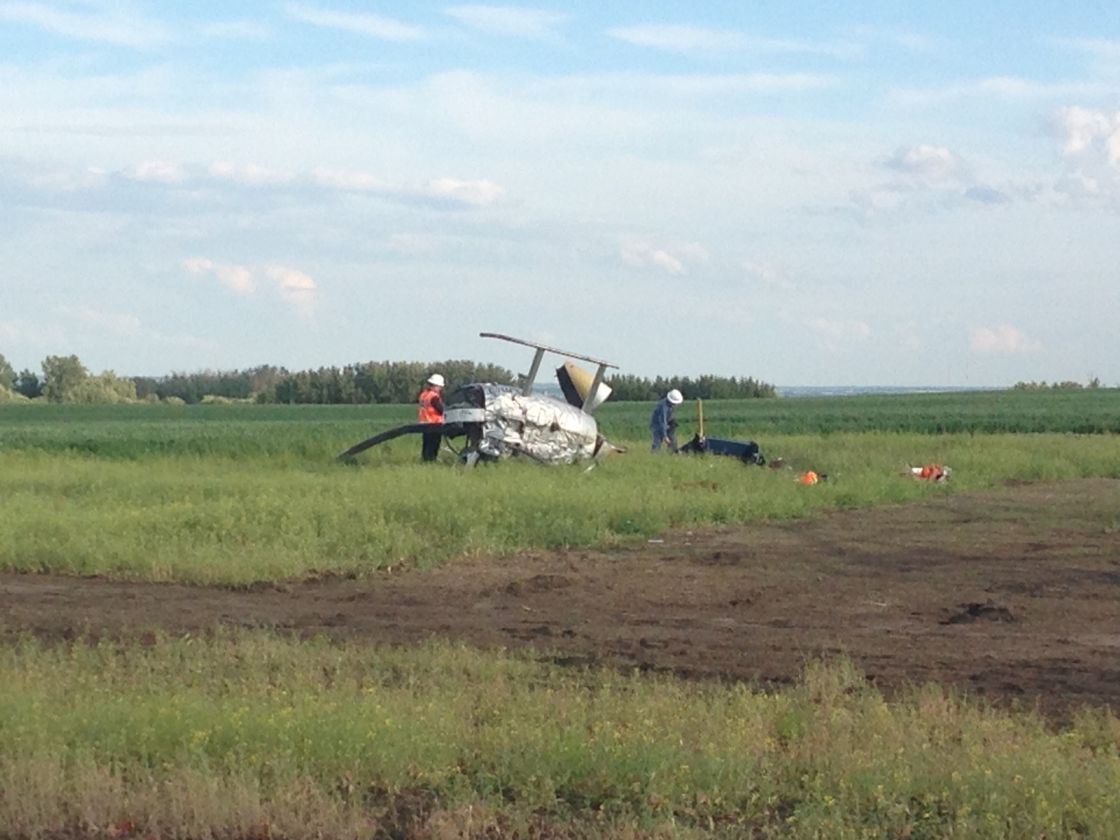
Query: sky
[[877, 193]]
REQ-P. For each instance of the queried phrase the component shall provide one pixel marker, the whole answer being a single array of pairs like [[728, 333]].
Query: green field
[[256, 735], [295, 433], [248, 735], [236, 494]]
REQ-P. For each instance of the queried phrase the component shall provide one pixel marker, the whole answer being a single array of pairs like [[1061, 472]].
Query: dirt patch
[[980, 612], [1012, 594]]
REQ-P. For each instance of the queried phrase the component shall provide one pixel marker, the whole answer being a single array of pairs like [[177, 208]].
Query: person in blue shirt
[[663, 425]]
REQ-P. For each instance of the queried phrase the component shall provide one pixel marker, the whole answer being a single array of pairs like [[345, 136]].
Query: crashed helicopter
[[502, 421]]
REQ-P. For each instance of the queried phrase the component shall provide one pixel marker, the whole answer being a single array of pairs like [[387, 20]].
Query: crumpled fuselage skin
[[500, 421]]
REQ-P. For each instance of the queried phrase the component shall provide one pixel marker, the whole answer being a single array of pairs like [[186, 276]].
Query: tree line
[[1066, 385], [66, 379], [630, 388]]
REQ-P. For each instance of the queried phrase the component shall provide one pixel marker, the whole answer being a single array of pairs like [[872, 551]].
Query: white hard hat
[[675, 397], [436, 379]]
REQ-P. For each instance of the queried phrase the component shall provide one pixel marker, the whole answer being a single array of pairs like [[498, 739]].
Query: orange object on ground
[[809, 478], [931, 472]]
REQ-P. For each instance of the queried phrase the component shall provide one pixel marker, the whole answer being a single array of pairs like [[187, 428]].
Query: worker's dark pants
[[430, 449], [657, 441]]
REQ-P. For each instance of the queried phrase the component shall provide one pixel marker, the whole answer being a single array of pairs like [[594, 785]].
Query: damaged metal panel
[[544, 428]]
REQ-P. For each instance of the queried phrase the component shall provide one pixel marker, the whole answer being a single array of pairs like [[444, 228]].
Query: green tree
[[105, 387], [28, 384], [62, 376], [7, 374]]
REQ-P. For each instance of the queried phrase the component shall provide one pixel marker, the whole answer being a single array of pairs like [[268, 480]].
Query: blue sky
[[879, 193]]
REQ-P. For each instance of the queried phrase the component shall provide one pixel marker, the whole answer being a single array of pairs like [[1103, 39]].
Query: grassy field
[[252, 735], [295, 433], [236, 494], [249, 735]]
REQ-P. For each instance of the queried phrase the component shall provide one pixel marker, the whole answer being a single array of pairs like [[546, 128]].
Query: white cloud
[[249, 174], [931, 163], [1000, 339], [700, 39], [1088, 131], [1090, 148], [476, 193], [237, 278], [297, 289], [929, 177], [198, 265], [110, 23], [157, 171], [508, 20], [342, 179], [376, 26], [643, 254]]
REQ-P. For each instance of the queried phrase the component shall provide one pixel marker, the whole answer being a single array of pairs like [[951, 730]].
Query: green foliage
[[104, 388], [364, 383], [388, 382], [630, 388], [318, 738], [1066, 385], [28, 384], [66, 380], [192, 387], [62, 377], [379, 382], [7, 374]]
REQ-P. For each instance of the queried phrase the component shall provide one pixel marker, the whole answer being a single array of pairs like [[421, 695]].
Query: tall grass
[[234, 494], [234, 521], [192, 737]]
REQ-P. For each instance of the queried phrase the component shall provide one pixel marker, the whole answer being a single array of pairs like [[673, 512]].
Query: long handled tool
[[700, 412]]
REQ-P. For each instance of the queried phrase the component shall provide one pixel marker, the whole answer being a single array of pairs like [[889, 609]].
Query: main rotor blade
[[410, 429]]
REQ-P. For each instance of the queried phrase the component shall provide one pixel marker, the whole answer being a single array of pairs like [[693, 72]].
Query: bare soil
[[1012, 594]]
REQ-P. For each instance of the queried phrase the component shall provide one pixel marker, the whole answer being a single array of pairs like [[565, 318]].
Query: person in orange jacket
[[430, 410]]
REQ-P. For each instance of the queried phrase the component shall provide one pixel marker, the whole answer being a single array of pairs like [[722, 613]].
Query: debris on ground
[[746, 451], [932, 472]]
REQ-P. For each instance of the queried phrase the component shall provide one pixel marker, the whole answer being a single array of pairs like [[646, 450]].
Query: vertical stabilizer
[[576, 383]]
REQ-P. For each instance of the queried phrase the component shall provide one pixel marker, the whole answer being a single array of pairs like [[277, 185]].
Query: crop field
[[210, 628], [242, 494]]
